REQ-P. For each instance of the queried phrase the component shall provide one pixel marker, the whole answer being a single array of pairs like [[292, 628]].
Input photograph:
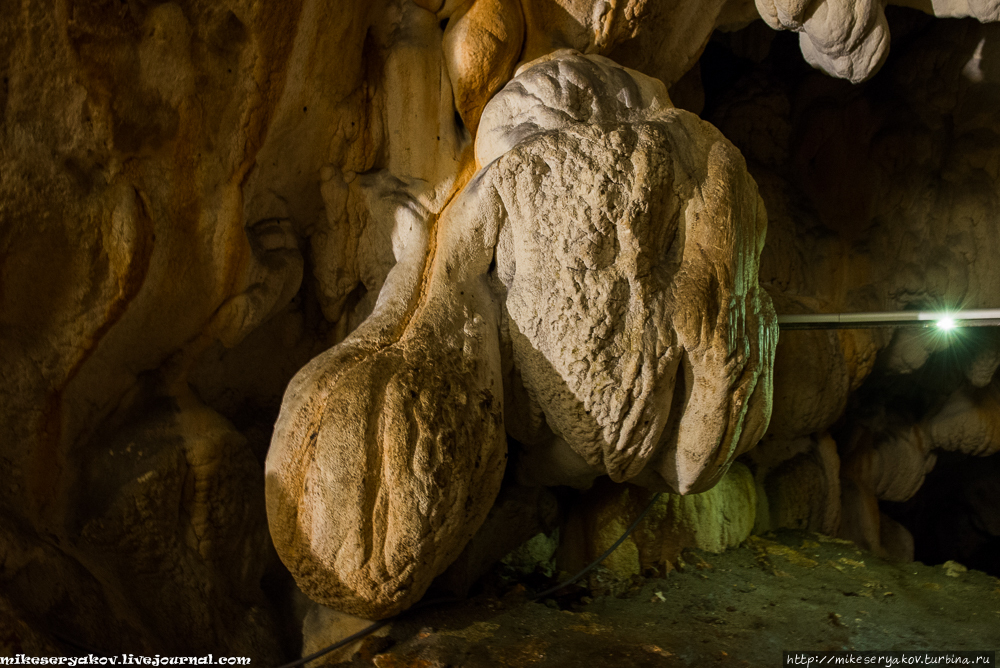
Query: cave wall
[[199, 198], [892, 183]]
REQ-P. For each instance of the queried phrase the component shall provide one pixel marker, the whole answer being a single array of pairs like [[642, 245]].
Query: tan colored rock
[[661, 38], [798, 485], [892, 466], [983, 10], [861, 221], [128, 254], [197, 198], [984, 361], [969, 422], [715, 521], [871, 529], [424, 145], [599, 326], [667, 38], [182, 156], [389, 449], [848, 39], [481, 44]]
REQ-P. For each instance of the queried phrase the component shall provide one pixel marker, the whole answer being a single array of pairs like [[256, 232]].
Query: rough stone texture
[[198, 197], [389, 449], [156, 193], [623, 214], [798, 484], [849, 39], [740, 608], [716, 520], [482, 43], [892, 216], [127, 135], [845, 38]]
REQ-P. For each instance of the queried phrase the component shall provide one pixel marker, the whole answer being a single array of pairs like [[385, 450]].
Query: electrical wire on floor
[[440, 601]]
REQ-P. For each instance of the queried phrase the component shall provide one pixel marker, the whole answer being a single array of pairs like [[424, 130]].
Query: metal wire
[[940, 319], [368, 630], [607, 553], [945, 320], [379, 624]]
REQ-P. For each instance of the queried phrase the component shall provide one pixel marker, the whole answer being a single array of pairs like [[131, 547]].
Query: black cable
[[379, 624], [607, 553], [340, 643], [368, 630]]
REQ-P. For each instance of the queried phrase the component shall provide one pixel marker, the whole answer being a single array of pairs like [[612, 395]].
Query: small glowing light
[[946, 324]]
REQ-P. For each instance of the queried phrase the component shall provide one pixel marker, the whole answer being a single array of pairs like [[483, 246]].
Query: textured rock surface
[[199, 197], [622, 214], [132, 512], [716, 520], [390, 447], [740, 608], [846, 38], [849, 39], [862, 221]]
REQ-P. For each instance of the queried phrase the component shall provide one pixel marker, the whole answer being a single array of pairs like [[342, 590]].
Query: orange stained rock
[[481, 45]]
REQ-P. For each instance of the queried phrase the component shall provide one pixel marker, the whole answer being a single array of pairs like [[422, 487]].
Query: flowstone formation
[[504, 277], [621, 331], [876, 225]]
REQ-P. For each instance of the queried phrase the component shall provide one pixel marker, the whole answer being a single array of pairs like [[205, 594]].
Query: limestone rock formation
[[390, 449], [637, 226], [858, 222], [849, 39], [718, 519], [198, 197], [614, 220], [846, 38]]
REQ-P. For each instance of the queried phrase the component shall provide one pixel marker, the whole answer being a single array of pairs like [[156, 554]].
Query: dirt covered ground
[[785, 591]]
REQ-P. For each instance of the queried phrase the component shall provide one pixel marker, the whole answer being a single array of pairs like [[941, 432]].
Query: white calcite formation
[[849, 39], [622, 213], [626, 235]]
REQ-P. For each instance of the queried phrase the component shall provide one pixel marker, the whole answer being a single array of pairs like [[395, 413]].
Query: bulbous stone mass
[[599, 272], [488, 244]]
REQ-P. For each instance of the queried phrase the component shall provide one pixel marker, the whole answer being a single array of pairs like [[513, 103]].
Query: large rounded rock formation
[[360, 295]]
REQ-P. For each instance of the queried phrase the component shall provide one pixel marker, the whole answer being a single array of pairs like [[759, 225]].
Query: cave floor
[[786, 591]]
